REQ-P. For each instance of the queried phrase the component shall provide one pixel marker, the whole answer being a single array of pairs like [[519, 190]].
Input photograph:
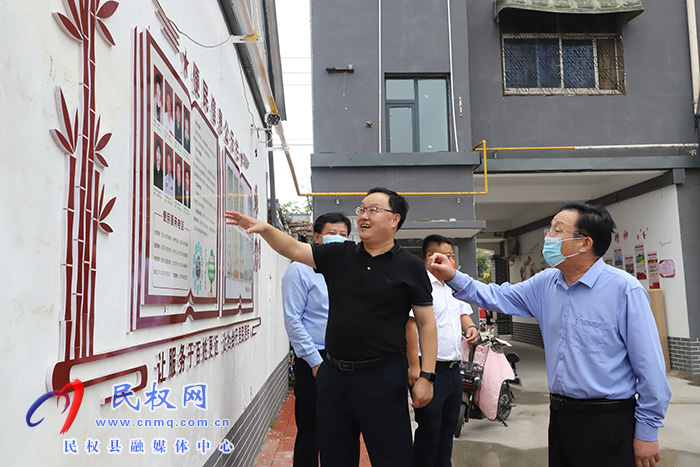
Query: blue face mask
[[333, 239], [552, 250]]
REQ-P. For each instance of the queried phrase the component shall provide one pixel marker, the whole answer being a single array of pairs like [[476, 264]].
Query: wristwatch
[[429, 376]]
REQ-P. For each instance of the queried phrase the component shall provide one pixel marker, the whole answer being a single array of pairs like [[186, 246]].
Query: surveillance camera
[[272, 119]]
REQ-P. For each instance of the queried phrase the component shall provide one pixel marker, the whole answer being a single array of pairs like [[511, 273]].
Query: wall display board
[[186, 264], [192, 263]]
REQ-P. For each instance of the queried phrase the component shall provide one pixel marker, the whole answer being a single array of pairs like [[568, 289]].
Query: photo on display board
[[178, 119], [158, 96], [186, 130], [158, 162], [169, 121], [168, 179], [178, 178], [186, 193]]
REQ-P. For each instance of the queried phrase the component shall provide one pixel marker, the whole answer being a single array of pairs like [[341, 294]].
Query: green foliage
[[483, 266], [296, 207]]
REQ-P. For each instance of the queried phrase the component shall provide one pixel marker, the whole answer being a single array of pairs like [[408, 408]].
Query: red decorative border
[[59, 374]]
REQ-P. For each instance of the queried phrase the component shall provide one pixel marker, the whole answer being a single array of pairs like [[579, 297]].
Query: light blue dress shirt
[[305, 301], [600, 337]]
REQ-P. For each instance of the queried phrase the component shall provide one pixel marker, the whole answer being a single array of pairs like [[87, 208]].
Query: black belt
[[353, 365], [450, 365], [567, 404]]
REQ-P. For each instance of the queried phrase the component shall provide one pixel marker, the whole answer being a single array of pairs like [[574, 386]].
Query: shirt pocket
[[589, 335]]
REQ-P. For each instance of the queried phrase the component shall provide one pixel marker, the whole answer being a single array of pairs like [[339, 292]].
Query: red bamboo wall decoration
[[85, 210]]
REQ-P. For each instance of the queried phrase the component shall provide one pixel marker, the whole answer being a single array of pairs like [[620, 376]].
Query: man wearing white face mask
[[305, 300], [601, 343]]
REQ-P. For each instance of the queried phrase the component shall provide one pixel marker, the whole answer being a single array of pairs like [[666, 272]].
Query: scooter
[[487, 375]]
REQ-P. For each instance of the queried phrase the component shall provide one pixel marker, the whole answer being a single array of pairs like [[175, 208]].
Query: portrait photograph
[[157, 162], [178, 178], [158, 96], [169, 177], [186, 193], [186, 130], [178, 120], [169, 118]]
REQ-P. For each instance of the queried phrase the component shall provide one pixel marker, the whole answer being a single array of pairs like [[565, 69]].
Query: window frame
[[414, 105], [618, 58]]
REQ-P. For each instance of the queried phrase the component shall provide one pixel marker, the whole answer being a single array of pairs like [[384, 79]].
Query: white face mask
[[333, 239]]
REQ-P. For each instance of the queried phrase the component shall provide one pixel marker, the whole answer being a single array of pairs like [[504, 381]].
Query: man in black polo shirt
[[371, 287]]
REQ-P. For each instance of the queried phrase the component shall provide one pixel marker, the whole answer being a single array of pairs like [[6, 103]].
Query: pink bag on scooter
[[496, 370]]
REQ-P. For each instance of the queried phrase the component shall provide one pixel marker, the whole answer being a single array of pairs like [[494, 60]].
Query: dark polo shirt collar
[[360, 248]]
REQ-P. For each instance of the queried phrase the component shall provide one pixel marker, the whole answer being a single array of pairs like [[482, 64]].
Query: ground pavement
[[523, 443]]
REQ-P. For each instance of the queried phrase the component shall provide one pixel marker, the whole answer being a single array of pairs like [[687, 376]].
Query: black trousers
[[306, 443], [373, 402], [586, 438], [437, 420]]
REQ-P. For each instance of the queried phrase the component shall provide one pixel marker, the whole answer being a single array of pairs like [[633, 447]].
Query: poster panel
[[239, 245], [629, 264], [618, 258], [667, 268], [653, 261], [640, 262], [183, 193]]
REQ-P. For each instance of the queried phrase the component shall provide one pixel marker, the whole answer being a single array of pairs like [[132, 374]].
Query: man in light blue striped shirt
[[305, 300], [601, 343]]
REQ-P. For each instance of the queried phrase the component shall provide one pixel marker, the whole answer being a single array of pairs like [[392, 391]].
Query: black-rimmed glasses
[[372, 210]]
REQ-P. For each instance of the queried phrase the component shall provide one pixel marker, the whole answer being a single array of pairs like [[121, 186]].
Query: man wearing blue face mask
[[305, 300], [601, 343]]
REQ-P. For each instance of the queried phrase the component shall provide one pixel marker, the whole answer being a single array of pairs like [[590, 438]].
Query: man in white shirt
[[437, 420]]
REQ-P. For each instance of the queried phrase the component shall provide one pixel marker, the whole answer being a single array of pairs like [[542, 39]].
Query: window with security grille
[[552, 53]]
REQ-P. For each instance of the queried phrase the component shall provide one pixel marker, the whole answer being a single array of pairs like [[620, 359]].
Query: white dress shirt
[[448, 312]]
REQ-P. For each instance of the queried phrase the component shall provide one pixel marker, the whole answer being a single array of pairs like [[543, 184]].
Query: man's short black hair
[[595, 222], [331, 218], [397, 203], [434, 239]]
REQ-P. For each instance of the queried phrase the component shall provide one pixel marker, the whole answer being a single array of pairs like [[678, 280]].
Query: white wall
[[39, 56], [656, 214]]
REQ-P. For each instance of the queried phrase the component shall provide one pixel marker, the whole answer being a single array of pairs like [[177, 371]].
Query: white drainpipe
[[381, 75], [694, 65]]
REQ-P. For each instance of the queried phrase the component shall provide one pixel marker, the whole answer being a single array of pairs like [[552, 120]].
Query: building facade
[[529, 104]]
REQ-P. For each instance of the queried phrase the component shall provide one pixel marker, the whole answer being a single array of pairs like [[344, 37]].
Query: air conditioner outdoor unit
[[512, 247]]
